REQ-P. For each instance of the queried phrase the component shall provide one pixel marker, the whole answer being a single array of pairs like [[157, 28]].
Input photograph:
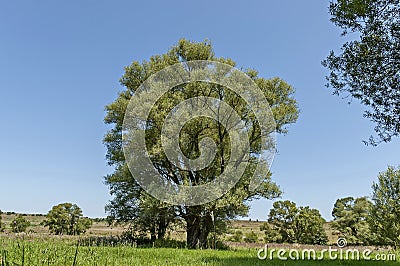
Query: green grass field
[[39, 248], [63, 251]]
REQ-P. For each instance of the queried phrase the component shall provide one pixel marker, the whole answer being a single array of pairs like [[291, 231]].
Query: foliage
[[67, 218], [289, 224], [219, 242], [350, 219], [309, 227], [131, 204], [368, 69], [237, 236], [251, 237], [281, 217], [271, 234], [1, 223], [385, 212], [19, 224], [83, 225]]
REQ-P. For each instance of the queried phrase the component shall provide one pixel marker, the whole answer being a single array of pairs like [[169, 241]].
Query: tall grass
[[67, 251]]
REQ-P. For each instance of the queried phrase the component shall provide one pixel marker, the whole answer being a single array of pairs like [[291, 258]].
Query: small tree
[[289, 224], [350, 219], [281, 218], [271, 234], [309, 228], [67, 218], [237, 236], [19, 224], [251, 237], [384, 220]]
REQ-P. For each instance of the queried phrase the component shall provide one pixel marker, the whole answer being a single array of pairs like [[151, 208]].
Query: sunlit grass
[[61, 251]]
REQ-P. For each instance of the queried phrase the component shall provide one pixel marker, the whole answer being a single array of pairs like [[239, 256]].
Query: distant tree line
[[361, 221], [18, 224], [372, 221], [62, 219]]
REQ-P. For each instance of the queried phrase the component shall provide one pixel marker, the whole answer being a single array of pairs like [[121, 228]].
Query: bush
[[19, 224], [251, 237], [98, 220], [295, 225], [237, 236], [219, 244], [271, 234]]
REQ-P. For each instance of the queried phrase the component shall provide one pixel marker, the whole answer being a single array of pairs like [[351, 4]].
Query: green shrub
[[237, 236], [220, 245], [19, 224], [295, 225], [271, 234], [251, 237]]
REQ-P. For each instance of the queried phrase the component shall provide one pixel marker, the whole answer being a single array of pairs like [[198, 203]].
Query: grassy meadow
[[64, 251], [38, 247]]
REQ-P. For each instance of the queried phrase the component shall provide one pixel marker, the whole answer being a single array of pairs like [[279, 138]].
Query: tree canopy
[[289, 224], [368, 68], [350, 219], [132, 204], [19, 224], [384, 220], [67, 218]]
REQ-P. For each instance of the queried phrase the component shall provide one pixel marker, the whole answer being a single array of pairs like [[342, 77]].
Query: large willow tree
[[131, 203]]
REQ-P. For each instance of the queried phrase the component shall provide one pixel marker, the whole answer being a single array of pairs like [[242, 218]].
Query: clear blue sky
[[60, 62]]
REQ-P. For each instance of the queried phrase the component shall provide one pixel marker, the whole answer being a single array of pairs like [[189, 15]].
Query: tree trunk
[[198, 228], [206, 225], [153, 235], [192, 231], [193, 226], [161, 228], [203, 244]]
